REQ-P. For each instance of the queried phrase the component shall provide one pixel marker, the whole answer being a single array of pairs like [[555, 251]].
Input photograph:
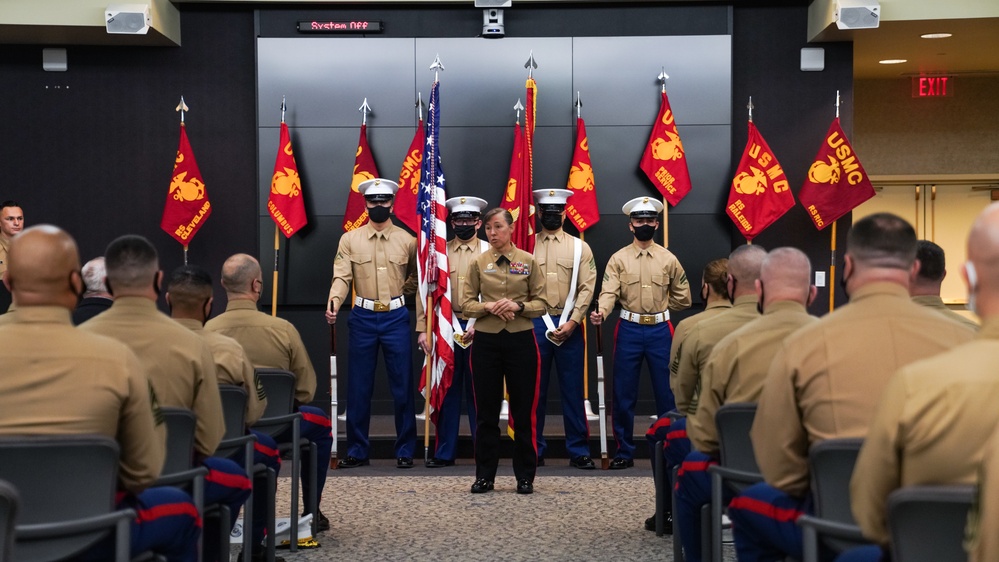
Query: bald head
[[44, 268], [983, 259], [744, 267], [786, 275], [240, 277]]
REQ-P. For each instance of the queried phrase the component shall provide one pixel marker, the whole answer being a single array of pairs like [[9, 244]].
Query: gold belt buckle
[[646, 319], [379, 307]]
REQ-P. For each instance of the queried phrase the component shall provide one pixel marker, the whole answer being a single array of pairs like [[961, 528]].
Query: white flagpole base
[[590, 415], [343, 416], [505, 410]]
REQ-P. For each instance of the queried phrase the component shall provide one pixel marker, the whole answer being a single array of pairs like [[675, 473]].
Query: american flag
[[435, 277]]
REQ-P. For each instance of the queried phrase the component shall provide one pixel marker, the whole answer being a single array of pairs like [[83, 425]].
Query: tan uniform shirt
[[982, 539], [927, 428], [269, 342], [937, 303], [687, 325], [381, 265], [55, 380], [737, 367], [4, 246], [232, 366], [495, 276], [459, 256], [646, 281], [693, 354], [553, 254], [178, 363], [827, 378]]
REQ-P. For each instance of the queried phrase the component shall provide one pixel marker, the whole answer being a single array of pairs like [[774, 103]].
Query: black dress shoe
[[482, 486], [322, 523], [439, 463], [650, 524], [524, 486], [584, 462], [619, 463], [353, 462], [404, 462]]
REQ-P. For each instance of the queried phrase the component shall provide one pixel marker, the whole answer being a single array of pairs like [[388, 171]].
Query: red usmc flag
[[759, 193], [836, 181], [582, 206], [285, 203], [409, 182], [187, 205], [664, 160], [519, 199], [364, 169]]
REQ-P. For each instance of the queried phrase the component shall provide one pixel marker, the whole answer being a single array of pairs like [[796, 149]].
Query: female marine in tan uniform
[[504, 289]]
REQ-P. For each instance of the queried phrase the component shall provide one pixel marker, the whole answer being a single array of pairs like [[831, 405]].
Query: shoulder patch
[[155, 402], [261, 393]]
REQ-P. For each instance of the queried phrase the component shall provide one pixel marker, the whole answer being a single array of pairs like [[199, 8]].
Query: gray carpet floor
[[384, 513]]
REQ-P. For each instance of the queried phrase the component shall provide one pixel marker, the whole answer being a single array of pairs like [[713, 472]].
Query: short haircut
[[932, 263], [238, 273], [882, 240], [93, 274], [9, 203], [716, 276], [189, 286], [131, 262], [496, 211], [745, 261]]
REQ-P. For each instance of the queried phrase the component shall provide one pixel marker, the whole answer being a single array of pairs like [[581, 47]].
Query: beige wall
[[895, 133]]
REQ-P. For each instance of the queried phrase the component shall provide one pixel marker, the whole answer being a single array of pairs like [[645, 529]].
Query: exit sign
[[932, 86]]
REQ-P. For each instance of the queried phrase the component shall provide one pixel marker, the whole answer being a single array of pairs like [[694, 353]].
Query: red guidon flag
[[187, 205], [759, 193], [409, 182], [582, 206], [364, 169], [285, 203], [664, 160], [836, 181], [518, 198]]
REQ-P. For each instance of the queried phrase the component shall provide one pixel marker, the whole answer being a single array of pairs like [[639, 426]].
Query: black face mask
[[379, 214], [551, 221], [644, 233], [465, 231], [759, 302]]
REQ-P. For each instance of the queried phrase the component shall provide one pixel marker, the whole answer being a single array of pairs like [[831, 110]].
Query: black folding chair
[[737, 467], [9, 502], [926, 523], [830, 463]]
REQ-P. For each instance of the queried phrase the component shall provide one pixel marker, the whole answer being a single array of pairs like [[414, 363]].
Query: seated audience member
[[982, 540], [96, 299], [714, 293], [827, 378], [96, 385], [177, 362], [927, 428], [272, 342], [189, 296], [925, 287], [735, 372]]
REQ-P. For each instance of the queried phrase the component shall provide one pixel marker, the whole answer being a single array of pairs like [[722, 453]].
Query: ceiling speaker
[[865, 16], [131, 19]]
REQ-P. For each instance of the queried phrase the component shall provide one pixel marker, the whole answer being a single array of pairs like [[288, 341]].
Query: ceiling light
[[893, 61], [936, 35]]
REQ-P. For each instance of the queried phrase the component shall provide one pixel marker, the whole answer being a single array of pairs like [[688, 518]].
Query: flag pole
[[277, 240], [663, 77], [832, 247], [586, 354], [750, 106], [428, 379], [182, 107]]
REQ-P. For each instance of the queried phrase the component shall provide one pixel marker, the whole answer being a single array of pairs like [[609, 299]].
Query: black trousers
[[513, 355]]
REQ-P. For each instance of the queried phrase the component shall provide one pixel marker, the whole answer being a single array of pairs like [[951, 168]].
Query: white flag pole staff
[[334, 463]]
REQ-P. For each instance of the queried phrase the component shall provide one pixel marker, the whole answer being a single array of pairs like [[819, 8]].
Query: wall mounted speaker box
[[130, 19], [865, 16]]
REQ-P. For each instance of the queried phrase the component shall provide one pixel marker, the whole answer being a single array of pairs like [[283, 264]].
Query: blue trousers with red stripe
[[676, 445], [166, 523], [693, 490], [227, 484], [316, 427], [568, 359], [633, 343], [764, 523], [449, 417], [370, 330]]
